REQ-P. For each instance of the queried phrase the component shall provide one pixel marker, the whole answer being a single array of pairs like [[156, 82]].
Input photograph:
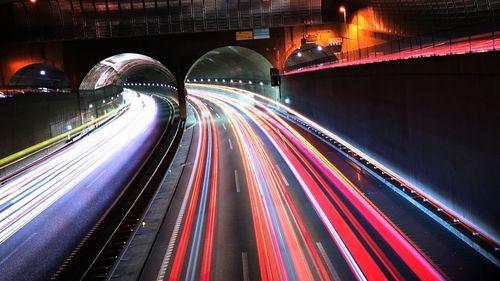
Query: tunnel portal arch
[[107, 79], [39, 75], [117, 69], [235, 66]]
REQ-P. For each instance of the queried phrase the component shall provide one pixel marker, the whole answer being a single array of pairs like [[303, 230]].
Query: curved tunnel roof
[[116, 69], [231, 62]]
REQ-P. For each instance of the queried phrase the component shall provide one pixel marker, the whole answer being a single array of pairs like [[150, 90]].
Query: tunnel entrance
[[39, 76], [100, 88], [236, 67], [310, 54], [118, 69]]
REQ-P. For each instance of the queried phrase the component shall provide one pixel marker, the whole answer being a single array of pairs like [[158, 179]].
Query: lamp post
[[343, 11]]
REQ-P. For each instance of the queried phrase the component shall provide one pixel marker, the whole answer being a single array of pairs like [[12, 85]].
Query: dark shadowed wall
[[435, 121]]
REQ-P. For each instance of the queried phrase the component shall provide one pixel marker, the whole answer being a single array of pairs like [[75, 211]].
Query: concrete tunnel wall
[[434, 120], [28, 119], [221, 65]]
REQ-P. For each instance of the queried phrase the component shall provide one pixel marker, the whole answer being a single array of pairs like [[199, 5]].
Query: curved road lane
[[261, 202]]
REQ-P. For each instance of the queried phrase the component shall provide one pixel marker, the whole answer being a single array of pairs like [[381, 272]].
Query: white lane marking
[[175, 232], [244, 260], [18, 247], [224, 126], [230, 144], [218, 116], [236, 179], [282, 175], [328, 262]]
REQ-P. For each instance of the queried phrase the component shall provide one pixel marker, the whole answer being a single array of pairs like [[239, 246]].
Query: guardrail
[[48, 145]]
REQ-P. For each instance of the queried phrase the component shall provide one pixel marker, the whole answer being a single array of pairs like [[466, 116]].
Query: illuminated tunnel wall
[[432, 120], [116, 69], [245, 67], [39, 76], [107, 78]]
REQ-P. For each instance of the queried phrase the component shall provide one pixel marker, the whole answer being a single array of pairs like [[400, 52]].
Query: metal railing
[[441, 44]]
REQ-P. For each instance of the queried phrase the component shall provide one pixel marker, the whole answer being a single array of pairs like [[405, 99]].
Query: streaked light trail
[[282, 210], [26, 196]]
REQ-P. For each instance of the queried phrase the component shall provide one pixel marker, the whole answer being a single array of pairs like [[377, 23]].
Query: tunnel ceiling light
[[187, 80], [299, 54], [261, 83], [194, 80], [103, 101], [42, 72], [249, 82], [240, 81], [224, 80], [208, 80], [201, 80], [90, 105], [216, 80], [319, 48], [231, 81]]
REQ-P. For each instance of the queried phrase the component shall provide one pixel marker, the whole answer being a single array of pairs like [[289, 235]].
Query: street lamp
[[343, 10]]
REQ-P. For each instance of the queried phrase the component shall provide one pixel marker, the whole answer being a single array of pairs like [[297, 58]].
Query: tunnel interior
[[101, 87], [236, 67], [39, 75], [118, 69]]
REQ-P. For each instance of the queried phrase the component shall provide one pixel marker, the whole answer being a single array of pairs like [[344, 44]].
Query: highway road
[[263, 199], [46, 210]]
